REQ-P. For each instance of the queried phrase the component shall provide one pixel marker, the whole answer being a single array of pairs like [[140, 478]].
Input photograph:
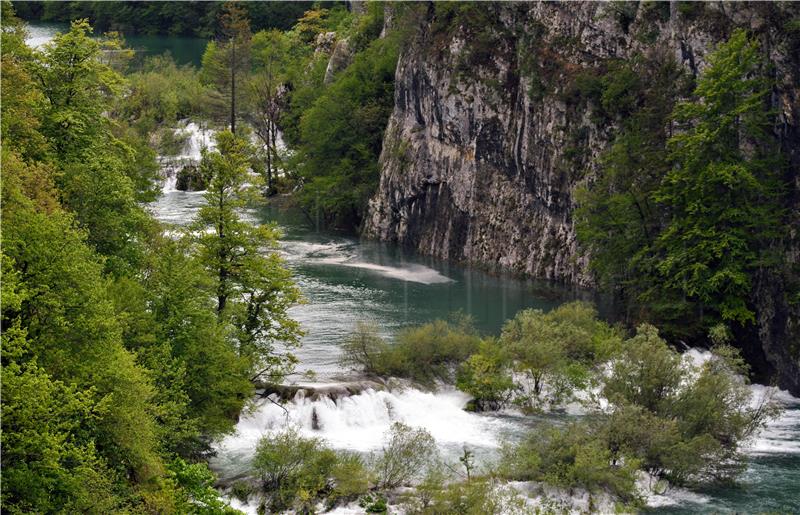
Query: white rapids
[[360, 422]]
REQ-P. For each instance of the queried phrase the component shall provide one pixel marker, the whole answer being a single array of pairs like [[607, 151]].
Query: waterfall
[[197, 139], [360, 422]]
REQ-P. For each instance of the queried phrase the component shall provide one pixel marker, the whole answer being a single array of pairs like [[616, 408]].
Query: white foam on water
[[781, 435], [341, 254], [697, 357], [675, 496], [199, 138], [170, 181], [360, 423], [251, 508], [411, 273]]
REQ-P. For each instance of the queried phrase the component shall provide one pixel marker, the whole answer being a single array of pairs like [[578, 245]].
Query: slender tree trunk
[[269, 158], [233, 85], [272, 152], [222, 255]]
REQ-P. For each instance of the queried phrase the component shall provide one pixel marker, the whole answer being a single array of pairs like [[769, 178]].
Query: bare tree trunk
[[272, 151], [269, 158], [222, 287], [233, 85]]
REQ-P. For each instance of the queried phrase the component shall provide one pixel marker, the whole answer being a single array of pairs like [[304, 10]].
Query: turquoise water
[[184, 50], [346, 281]]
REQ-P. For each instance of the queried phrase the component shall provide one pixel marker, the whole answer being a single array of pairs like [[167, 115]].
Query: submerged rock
[[316, 391]]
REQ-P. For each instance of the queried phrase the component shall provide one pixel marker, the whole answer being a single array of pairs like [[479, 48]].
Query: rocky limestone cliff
[[482, 157]]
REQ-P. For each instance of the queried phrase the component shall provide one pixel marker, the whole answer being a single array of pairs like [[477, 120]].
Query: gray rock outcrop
[[481, 163]]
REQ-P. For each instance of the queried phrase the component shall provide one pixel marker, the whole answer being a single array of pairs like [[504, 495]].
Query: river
[[345, 280]]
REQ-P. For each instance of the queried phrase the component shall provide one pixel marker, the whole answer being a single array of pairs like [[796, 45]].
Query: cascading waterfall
[[197, 139], [360, 422]]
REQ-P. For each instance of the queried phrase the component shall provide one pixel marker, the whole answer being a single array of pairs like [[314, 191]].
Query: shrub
[[350, 477], [363, 350], [554, 352], [471, 497], [426, 353], [407, 454], [373, 503], [570, 457], [685, 423], [647, 374], [432, 351], [197, 482], [294, 471], [486, 376]]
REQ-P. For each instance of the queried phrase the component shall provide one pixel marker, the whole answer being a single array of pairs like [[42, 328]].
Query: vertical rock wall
[[482, 156]]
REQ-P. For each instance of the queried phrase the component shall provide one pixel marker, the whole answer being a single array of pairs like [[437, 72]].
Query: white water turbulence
[[344, 254], [772, 475], [360, 423], [197, 138]]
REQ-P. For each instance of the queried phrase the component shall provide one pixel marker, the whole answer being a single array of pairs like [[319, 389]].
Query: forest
[[134, 350]]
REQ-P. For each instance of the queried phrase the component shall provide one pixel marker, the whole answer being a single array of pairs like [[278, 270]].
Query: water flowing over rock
[[317, 391], [480, 163]]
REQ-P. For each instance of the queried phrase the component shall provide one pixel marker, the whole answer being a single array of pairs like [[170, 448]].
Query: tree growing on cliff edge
[[688, 200], [253, 288], [723, 195]]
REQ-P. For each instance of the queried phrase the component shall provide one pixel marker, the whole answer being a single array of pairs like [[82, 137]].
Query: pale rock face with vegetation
[[545, 138]]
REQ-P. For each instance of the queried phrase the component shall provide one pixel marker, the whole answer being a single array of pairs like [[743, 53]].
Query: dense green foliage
[[179, 18], [333, 121], [684, 422], [550, 354], [569, 457], [671, 418], [160, 94], [293, 470], [425, 354], [226, 62], [116, 364], [341, 135], [689, 201], [723, 199]]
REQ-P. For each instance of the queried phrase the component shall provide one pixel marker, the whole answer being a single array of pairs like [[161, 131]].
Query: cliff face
[[484, 150]]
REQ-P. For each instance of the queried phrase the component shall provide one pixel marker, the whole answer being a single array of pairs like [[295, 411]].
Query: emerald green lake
[[184, 50]]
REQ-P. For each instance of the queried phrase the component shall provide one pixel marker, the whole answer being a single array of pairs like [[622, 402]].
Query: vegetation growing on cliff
[[688, 201]]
